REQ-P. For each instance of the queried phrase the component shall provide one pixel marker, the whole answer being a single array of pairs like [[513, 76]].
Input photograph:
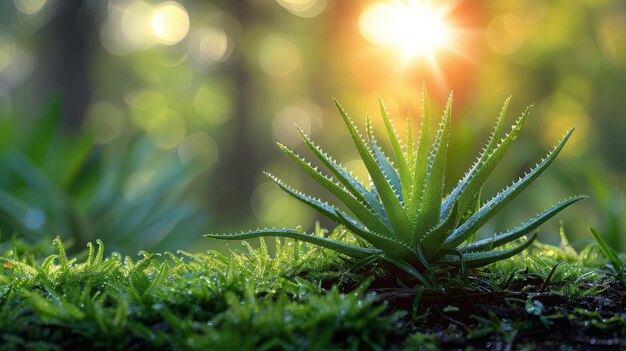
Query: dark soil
[[521, 317]]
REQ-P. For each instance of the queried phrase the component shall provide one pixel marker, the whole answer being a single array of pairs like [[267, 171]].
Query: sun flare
[[413, 28]]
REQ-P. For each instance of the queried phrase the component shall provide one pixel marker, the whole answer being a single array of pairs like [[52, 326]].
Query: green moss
[[286, 296], [185, 301]]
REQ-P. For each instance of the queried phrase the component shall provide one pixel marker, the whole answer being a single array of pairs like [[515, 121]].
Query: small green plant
[[615, 267], [404, 218], [53, 181]]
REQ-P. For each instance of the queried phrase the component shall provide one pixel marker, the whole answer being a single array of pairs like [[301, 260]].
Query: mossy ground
[[295, 296]]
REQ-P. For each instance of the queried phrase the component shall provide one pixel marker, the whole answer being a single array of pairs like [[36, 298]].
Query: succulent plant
[[404, 217]]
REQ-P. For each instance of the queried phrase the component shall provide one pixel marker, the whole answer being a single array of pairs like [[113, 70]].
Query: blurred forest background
[[148, 123]]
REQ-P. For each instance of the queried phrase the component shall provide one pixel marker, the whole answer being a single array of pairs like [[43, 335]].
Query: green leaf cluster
[[403, 216], [55, 181]]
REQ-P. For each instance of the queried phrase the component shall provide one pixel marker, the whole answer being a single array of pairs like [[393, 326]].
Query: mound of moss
[[295, 296], [179, 301]]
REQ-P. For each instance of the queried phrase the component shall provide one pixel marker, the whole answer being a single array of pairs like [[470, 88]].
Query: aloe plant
[[404, 217]]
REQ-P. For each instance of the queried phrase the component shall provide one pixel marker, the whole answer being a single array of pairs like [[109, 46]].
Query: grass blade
[[607, 251]]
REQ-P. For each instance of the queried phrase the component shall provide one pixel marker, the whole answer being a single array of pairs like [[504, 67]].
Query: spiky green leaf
[[479, 259], [408, 268], [420, 168], [432, 242], [352, 184], [362, 212], [410, 152], [478, 174], [346, 249], [514, 234], [395, 212], [489, 209], [383, 162], [318, 205], [389, 245], [398, 154], [431, 203], [497, 129]]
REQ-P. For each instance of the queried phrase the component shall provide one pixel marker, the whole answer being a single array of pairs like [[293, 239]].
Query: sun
[[414, 29]]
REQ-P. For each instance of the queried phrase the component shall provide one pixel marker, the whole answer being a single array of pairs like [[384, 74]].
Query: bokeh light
[[170, 23], [135, 25], [279, 57], [286, 120], [126, 27], [304, 8], [506, 34], [7, 51], [213, 104], [211, 45], [414, 28], [145, 99], [612, 36], [16, 64], [199, 146], [30, 7], [565, 111], [166, 129]]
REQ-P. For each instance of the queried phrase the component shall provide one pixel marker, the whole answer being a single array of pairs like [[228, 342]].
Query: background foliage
[[169, 109]]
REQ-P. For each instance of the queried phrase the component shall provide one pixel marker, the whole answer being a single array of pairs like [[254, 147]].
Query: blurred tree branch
[[67, 62], [238, 164]]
